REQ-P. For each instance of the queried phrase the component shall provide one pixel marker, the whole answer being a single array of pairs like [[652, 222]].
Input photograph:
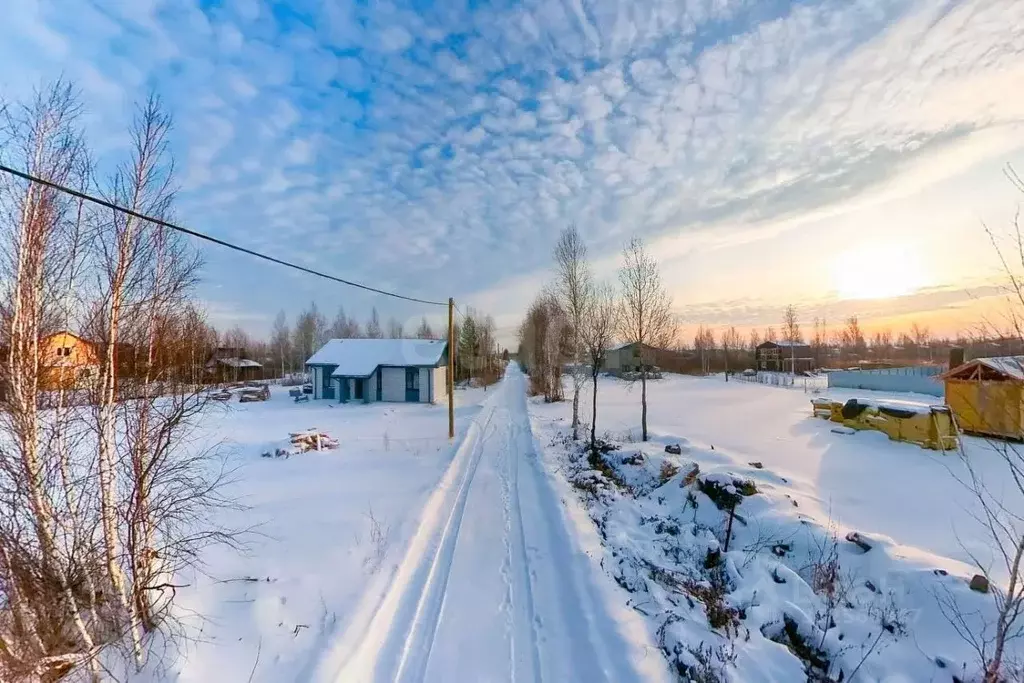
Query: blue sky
[[437, 148]]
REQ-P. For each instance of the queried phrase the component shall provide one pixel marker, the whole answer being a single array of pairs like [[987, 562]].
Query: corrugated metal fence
[[919, 379]]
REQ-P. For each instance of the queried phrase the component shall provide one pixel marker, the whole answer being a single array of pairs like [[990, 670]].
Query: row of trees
[[288, 347], [575, 321], [477, 356], [729, 349], [102, 501]]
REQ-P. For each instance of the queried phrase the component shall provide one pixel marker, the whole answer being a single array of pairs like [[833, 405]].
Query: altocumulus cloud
[[465, 135]]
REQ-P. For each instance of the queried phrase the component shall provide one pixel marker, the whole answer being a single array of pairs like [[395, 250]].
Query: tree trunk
[[575, 407], [643, 403], [105, 454], [1010, 604], [593, 416]]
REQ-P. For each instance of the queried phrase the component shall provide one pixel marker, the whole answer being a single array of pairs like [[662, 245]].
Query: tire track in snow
[[547, 609], [381, 633], [420, 640], [525, 619], [587, 644]]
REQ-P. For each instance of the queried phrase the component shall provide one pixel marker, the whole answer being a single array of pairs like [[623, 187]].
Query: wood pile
[[304, 442], [312, 440], [249, 395]]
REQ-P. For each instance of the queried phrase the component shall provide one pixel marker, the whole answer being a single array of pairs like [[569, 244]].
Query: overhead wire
[[209, 238]]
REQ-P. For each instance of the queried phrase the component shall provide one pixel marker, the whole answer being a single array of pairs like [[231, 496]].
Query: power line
[[192, 233]]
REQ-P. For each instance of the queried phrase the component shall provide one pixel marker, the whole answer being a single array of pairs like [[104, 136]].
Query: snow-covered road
[[494, 586]]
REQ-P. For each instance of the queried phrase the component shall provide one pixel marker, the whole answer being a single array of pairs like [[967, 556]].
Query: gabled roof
[[239, 363], [68, 333], [784, 343], [626, 345], [1012, 367], [360, 357]]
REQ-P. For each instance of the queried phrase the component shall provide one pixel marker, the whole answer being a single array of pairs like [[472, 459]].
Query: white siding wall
[[317, 383], [393, 384], [440, 385], [425, 385]]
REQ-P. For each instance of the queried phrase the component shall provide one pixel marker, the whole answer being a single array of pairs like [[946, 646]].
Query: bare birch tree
[[99, 506], [39, 549], [645, 315], [791, 333], [395, 329], [998, 509], [373, 330], [280, 340], [575, 289], [127, 250], [598, 332], [544, 345], [731, 343], [424, 331]]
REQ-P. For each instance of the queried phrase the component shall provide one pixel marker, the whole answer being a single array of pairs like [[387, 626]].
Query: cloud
[[445, 148]]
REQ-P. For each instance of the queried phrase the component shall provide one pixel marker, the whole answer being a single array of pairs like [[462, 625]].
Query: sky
[[842, 156]]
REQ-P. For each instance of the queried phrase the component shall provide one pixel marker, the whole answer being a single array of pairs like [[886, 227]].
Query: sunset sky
[[841, 156]]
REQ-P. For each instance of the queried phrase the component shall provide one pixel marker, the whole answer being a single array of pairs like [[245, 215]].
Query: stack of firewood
[[249, 395], [312, 440]]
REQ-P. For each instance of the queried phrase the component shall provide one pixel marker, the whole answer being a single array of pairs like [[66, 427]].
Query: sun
[[877, 272]]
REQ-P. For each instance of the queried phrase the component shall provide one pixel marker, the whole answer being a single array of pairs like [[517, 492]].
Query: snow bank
[[328, 529], [843, 554]]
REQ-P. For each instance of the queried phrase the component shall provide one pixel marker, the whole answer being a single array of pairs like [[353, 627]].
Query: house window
[[64, 351]]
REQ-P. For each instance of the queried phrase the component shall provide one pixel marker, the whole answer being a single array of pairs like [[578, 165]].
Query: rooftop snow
[[239, 363], [360, 357], [1011, 366]]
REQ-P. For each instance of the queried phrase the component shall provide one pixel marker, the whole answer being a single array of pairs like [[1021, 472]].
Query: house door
[[360, 389], [412, 385], [328, 383]]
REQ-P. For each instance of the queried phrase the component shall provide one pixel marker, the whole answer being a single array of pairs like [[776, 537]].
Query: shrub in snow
[[828, 601], [633, 459], [668, 470], [725, 492]]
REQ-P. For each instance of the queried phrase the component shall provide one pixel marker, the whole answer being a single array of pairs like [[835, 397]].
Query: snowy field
[[661, 532], [404, 557], [480, 575], [328, 530]]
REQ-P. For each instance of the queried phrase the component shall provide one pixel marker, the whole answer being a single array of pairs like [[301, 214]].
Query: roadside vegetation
[[104, 499]]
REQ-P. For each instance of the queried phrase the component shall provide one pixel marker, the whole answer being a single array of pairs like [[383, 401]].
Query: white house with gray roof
[[391, 370]]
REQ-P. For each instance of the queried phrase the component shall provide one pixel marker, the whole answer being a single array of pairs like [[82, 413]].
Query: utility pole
[[451, 368]]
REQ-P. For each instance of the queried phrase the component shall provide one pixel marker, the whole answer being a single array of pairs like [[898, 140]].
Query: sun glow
[[877, 272]]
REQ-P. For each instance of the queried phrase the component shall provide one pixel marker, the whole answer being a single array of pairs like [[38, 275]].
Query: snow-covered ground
[[663, 534], [404, 557], [494, 586], [480, 576], [328, 529]]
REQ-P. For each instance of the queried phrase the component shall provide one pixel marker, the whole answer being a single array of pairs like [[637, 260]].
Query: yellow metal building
[[987, 396], [927, 425]]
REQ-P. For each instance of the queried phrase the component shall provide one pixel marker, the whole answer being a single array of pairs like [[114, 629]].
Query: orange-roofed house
[[67, 361]]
